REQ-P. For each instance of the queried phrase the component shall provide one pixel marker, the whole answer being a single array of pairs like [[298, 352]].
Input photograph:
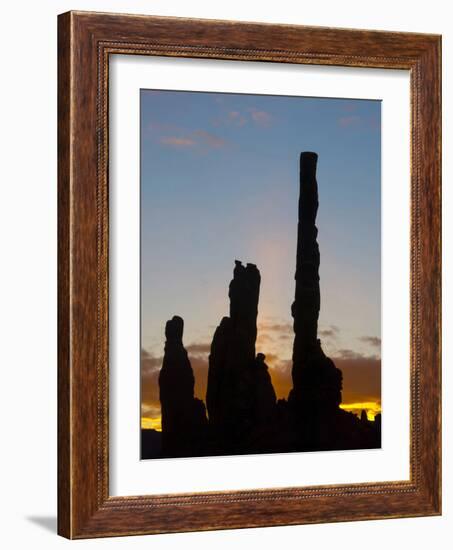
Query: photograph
[[260, 274]]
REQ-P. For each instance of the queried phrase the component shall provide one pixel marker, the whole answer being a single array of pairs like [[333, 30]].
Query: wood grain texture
[[64, 343], [85, 42]]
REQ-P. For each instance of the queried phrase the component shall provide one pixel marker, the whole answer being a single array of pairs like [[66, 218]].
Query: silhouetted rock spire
[[232, 358], [239, 394], [220, 376], [183, 415], [305, 309], [317, 383]]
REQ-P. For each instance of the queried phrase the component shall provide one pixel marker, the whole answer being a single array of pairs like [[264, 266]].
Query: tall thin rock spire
[[305, 309], [317, 383]]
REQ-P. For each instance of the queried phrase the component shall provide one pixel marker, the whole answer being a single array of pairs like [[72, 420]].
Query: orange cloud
[[177, 141], [209, 139], [175, 136]]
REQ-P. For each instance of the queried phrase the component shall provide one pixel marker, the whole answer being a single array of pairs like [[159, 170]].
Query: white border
[[129, 475]]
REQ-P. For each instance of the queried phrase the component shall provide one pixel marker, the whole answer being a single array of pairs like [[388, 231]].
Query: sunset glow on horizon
[[371, 409]]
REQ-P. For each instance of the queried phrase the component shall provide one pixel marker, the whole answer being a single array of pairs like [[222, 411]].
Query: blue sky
[[219, 182]]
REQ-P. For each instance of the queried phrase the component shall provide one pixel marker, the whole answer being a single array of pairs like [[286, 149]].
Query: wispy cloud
[[150, 367], [174, 141], [149, 362], [199, 348], [261, 118], [174, 136], [275, 339], [348, 354], [246, 117], [329, 332], [197, 138], [355, 121], [264, 337], [236, 118], [208, 139], [286, 329], [371, 340], [268, 326]]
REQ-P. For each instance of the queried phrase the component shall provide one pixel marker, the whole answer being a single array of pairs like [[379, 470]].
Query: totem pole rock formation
[[183, 415], [239, 385], [317, 383], [306, 306]]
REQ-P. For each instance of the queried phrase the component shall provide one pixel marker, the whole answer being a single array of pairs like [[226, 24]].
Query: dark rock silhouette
[[243, 413], [377, 420], [239, 392], [307, 302], [183, 415], [263, 394], [317, 383], [151, 443]]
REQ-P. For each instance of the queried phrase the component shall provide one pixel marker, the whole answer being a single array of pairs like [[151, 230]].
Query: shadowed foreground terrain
[[242, 414]]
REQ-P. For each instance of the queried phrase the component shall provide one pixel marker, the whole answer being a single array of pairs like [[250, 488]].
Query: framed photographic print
[[249, 275]]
